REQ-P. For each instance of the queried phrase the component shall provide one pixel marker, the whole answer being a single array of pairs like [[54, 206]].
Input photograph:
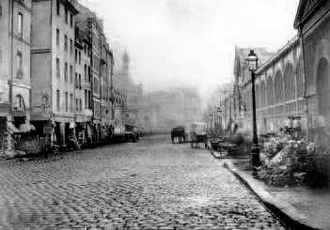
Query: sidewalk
[[298, 207]]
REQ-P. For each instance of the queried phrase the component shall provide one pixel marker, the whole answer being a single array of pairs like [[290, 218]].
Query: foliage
[[286, 161]]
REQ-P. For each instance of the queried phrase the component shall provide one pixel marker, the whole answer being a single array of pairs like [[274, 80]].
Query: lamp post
[[252, 61], [211, 118], [219, 119]]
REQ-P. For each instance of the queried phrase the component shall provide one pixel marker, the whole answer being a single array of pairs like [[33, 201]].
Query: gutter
[[277, 56]]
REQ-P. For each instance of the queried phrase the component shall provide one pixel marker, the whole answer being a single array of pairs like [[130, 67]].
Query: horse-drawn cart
[[179, 133], [198, 134]]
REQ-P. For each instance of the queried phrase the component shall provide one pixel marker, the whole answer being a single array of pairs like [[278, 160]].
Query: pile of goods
[[287, 162]]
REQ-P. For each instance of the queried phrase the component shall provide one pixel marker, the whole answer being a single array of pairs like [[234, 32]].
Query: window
[[58, 71], [89, 74], [79, 57], [89, 99], [19, 104], [77, 105], [71, 102], [66, 102], [20, 24], [76, 80], [71, 46], [57, 37], [19, 64], [71, 20], [80, 105], [0, 10], [58, 100], [19, 60], [58, 7], [65, 42], [85, 73], [66, 72], [96, 86], [79, 81], [71, 74], [66, 15], [86, 99], [76, 56]]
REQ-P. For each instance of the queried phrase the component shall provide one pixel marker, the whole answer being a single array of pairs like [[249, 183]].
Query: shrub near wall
[[292, 162]]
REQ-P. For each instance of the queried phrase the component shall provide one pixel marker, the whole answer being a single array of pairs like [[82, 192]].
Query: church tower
[[125, 63]]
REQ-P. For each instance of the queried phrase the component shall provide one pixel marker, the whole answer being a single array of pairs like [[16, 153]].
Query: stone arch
[[279, 87], [262, 94], [270, 91], [257, 91], [323, 87], [322, 51], [289, 82]]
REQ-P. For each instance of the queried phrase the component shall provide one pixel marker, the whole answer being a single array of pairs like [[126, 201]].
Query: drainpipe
[[302, 45], [10, 82]]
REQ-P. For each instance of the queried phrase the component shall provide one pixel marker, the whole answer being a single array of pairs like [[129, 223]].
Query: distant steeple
[[125, 63]]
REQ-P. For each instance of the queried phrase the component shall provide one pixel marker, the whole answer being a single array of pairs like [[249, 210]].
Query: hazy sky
[[191, 42]]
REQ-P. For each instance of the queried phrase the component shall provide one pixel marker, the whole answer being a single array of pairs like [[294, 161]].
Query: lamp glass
[[252, 61]]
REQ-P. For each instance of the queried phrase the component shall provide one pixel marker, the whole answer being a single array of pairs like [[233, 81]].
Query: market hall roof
[[306, 9]]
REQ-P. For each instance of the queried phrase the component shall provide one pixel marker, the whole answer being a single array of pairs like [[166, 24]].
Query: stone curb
[[289, 215]]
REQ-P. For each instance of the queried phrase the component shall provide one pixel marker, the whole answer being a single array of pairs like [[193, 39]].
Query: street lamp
[[219, 111], [252, 61]]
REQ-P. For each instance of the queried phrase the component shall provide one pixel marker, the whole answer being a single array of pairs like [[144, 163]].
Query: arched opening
[[289, 81], [279, 87], [262, 94], [257, 92], [270, 91], [323, 87], [19, 104]]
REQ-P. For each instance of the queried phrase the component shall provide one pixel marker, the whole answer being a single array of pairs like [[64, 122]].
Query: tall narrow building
[[15, 44], [101, 71], [53, 67]]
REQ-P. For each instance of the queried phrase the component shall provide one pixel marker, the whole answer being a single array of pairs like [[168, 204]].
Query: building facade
[[83, 86], [119, 104], [279, 89], [53, 68], [15, 47], [313, 24], [241, 101], [101, 71]]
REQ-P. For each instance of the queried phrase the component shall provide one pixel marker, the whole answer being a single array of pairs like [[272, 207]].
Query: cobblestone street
[[151, 184]]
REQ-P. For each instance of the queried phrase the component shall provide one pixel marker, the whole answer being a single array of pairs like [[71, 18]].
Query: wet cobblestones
[[148, 185]]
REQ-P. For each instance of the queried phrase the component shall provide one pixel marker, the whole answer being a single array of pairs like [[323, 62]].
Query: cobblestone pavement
[[151, 184]]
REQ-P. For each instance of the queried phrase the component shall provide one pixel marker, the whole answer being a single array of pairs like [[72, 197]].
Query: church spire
[[125, 62]]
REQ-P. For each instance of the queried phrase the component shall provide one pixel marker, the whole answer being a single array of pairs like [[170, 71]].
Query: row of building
[[56, 72], [291, 84]]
